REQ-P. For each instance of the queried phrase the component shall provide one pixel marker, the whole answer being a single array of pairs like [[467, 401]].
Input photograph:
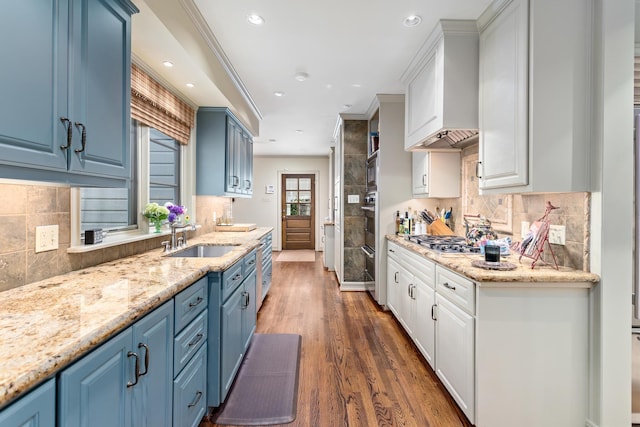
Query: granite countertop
[[523, 275], [46, 325]]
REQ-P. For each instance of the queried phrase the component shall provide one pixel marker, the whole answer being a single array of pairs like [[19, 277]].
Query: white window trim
[[187, 196]]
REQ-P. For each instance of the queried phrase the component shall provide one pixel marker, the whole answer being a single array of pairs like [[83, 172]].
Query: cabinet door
[[407, 306], [153, 395], [100, 69], [503, 98], [455, 346], [33, 83], [94, 391], [393, 286], [231, 342], [247, 180], [190, 392], [424, 325], [424, 99], [249, 315], [420, 177], [234, 133], [36, 409]]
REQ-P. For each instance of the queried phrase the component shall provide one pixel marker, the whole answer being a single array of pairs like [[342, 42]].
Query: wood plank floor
[[358, 367]]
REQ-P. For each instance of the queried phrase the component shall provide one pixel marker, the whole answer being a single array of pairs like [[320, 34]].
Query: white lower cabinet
[[455, 353], [432, 304]]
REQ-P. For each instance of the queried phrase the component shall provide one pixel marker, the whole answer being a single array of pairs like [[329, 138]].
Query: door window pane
[[305, 209], [305, 184], [292, 196], [291, 183], [304, 196]]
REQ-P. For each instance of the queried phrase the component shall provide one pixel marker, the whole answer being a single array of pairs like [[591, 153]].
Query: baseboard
[[353, 286]]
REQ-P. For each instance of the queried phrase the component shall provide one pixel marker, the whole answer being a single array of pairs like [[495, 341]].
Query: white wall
[[612, 236], [263, 209]]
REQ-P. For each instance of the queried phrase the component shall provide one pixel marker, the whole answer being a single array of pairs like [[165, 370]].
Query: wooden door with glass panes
[[298, 211]]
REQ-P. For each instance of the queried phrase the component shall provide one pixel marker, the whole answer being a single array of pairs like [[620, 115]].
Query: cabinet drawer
[[190, 392], [457, 289], [249, 262], [231, 279], [187, 343], [394, 251], [189, 303], [421, 267]]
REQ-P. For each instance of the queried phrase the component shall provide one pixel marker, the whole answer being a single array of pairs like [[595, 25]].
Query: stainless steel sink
[[204, 251]]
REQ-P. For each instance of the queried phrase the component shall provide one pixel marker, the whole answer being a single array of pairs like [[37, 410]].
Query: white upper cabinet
[[534, 96], [436, 173], [442, 85]]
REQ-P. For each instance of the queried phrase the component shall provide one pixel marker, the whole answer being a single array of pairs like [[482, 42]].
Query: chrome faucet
[[178, 243]]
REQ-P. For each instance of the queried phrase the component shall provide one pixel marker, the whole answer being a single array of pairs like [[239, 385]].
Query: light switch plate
[[557, 234], [353, 198], [46, 238]]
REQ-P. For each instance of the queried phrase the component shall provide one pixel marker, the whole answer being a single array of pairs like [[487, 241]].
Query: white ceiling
[[350, 49]]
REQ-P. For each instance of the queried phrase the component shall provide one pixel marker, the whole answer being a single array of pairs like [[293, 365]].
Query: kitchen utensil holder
[[539, 235]]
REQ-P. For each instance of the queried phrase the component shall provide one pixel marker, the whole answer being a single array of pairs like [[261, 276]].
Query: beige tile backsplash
[[30, 205]]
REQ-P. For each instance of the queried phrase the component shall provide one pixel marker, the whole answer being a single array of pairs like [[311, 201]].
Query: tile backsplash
[[30, 205]]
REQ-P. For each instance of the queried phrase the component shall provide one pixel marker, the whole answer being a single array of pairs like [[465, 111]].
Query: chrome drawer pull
[[146, 358], [196, 400], [448, 286], [196, 340], [198, 301], [137, 368]]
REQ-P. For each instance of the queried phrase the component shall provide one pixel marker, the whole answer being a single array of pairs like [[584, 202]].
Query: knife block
[[439, 228]]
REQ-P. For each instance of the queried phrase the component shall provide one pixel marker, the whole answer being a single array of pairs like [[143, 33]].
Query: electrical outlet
[[353, 198], [524, 228], [46, 238], [557, 234]]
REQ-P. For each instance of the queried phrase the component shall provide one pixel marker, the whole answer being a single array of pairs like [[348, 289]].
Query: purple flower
[[174, 211], [172, 217]]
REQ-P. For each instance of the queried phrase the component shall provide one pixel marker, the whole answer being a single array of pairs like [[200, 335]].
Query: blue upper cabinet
[[224, 154], [68, 80]]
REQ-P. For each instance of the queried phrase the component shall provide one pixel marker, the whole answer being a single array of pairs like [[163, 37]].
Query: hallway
[[358, 368]]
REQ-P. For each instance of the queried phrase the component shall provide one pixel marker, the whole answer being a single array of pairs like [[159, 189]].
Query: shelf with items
[[374, 134]]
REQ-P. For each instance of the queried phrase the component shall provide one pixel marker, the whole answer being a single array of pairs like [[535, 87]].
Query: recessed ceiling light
[[412, 21], [347, 106], [278, 93], [255, 19], [328, 85], [356, 85], [189, 84], [272, 140], [301, 76], [299, 131], [168, 64]]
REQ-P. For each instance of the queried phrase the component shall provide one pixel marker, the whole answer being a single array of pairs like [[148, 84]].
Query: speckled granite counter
[[46, 325], [523, 275]]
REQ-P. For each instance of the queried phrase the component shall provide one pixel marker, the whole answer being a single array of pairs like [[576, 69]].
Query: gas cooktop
[[443, 244]]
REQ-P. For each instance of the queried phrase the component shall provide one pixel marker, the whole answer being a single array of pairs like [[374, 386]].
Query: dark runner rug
[[265, 391]]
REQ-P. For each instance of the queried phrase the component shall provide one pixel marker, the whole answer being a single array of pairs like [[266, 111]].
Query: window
[[158, 169]]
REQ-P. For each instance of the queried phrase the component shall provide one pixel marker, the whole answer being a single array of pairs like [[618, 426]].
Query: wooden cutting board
[[236, 227]]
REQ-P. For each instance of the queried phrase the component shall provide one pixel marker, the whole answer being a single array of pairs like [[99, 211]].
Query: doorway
[[298, 211]]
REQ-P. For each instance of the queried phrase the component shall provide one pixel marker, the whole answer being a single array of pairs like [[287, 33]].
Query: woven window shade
[[636, 81], [155, 106]]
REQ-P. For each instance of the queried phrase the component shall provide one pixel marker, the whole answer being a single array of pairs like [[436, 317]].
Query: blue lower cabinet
[[36, 409], [124, 382], [153, 342], [95, 391], [249, 315], [231, 339], [190, 392]]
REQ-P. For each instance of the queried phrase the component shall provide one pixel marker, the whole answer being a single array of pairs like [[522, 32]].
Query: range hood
[[442, 84], [452, 138]]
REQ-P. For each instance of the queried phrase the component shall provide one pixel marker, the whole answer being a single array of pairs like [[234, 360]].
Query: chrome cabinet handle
[[253, 261], [196, 400], [448, 286], [236, 181], [67, 124], [196, 340], [84, 137], [247, 187], [196, 302], [424, 180], [245, 302], [395, 277], [146, 358], [137, 368], [433, 312], [478, 164]]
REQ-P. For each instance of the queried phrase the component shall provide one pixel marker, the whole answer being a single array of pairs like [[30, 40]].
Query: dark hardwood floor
[[358, 367]]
